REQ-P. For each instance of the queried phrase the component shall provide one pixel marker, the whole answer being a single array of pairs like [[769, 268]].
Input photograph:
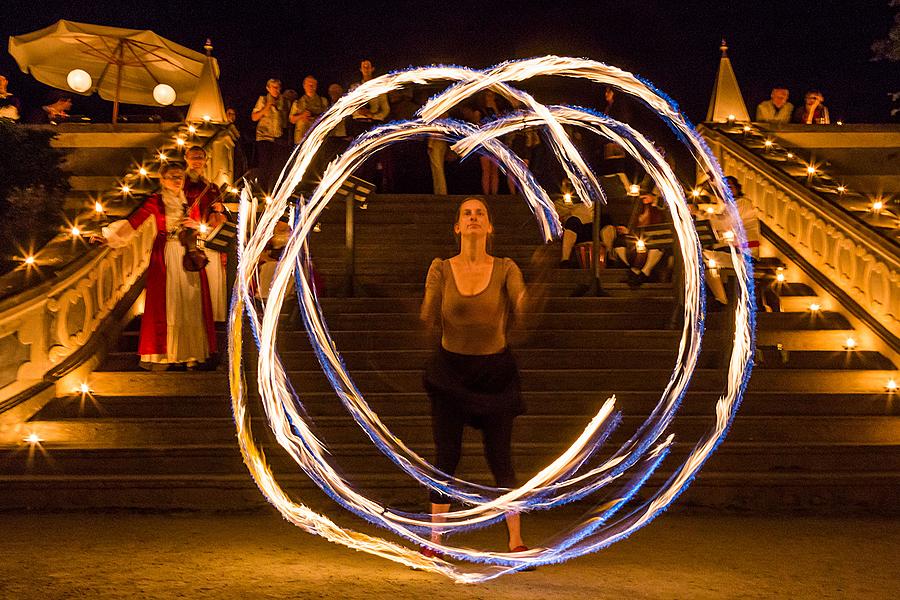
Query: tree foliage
[[889, 47], [33, 186]]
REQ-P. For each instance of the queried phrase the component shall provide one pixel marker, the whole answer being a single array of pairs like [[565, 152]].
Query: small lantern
[[79, 80], [164, 94]]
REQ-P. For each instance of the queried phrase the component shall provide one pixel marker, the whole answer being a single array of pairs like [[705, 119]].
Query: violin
[[195, 258]]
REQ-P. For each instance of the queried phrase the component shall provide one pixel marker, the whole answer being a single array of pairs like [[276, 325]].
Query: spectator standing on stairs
[[473, 379], [307, 108], [269, 114], [375, 110], [369, 116]]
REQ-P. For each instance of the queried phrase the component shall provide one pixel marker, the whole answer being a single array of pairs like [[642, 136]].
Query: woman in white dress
[[177, 324]]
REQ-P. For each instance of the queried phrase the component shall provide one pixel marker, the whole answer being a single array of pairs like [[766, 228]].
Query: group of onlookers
[[283, 117], [778, 110]]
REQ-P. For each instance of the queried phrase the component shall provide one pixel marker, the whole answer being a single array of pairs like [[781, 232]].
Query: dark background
[[799, 44]]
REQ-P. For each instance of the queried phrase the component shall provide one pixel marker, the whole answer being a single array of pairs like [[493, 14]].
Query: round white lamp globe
[[164, 94], [79, 80]]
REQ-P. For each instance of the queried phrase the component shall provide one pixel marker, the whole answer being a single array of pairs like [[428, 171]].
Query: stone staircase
[[816, 431]]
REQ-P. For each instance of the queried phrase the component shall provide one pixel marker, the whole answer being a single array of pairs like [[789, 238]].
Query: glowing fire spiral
[[614, 482]]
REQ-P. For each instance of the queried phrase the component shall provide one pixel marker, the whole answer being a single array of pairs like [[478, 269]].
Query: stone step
[[416, 430], [553, 340], [767, 358], [360, 460], [846, 492], [405, 271], [566, 321], [378, 214], [372, 287], [762, 403], [662, 302], [790, 289], [642, 319], [410, 305], [549, 339], [549, 380], [414, 239], [423, 252]]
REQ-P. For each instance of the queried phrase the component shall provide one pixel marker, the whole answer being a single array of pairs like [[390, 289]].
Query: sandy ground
[[258, 555]]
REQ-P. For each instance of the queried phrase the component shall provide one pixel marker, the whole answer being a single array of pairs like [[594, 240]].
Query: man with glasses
[[205, 204], [269, 116]]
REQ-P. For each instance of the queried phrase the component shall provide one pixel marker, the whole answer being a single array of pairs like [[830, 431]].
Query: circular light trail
[[618, 477]]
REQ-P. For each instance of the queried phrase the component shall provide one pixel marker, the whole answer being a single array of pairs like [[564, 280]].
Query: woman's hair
[[170, 166], [487, 211]]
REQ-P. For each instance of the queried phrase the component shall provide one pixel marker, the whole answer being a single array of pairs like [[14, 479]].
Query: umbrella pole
[[120, 50]]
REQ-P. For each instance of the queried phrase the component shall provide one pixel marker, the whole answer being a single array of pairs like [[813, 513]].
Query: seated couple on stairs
[[619, 243]]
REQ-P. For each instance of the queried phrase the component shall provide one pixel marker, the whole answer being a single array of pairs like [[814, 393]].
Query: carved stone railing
[[43, 326], [864, 266]]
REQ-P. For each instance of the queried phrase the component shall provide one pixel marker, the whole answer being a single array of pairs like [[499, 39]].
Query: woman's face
[[173, 180], [473, 219]]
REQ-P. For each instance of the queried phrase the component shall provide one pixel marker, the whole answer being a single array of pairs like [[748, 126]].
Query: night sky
[[798, 44]]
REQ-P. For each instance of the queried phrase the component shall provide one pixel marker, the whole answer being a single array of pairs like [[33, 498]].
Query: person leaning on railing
[[776, 109], [813, 111]]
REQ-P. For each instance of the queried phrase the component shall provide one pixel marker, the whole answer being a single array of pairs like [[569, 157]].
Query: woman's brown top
[[473, 324]]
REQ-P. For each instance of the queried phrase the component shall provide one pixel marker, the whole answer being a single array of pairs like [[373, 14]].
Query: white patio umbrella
[[125, 65]]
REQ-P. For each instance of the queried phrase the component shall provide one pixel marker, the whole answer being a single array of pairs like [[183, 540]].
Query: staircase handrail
[[860, 269]]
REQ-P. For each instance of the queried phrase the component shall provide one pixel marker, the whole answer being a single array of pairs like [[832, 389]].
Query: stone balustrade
[[861, 263], [41, 327]]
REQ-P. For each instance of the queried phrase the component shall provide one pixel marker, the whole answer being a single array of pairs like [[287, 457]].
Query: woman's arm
[[430, 312], [119, 233], [515, 287], [214, 209], [294, 116]]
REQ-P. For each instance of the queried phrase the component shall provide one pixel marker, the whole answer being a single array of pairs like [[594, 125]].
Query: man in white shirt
[[269, 116], [307, 108], [777, 109], [376, 110]]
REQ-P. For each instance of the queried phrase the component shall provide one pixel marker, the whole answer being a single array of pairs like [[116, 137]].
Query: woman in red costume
[[177, 325]]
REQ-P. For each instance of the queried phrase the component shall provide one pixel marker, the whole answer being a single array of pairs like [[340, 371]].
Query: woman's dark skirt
[[483, 392], [474, 385]]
